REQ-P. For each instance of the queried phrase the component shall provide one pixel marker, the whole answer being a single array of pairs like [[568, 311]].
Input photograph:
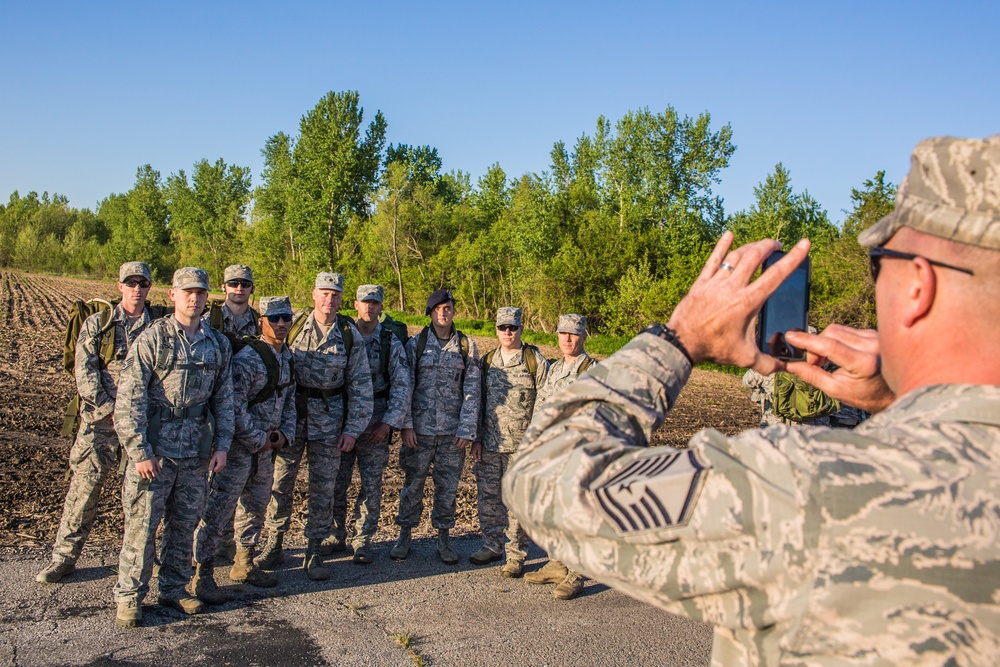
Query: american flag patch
[[653, 492]]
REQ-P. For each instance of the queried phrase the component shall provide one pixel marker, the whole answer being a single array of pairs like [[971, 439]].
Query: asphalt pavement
[[414, 612]]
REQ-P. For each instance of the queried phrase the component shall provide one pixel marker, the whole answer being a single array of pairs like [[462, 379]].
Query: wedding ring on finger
[[727, 267]]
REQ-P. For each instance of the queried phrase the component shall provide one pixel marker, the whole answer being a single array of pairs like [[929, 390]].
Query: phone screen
[[787, 309]]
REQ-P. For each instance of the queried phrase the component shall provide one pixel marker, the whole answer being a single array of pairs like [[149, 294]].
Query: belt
[[382, 394], [313, 392], [168, 414]]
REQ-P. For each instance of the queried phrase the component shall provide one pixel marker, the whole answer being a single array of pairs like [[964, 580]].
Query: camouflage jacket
[[96, 383], [509, 400], [245, 325], [560, 375], [443, 403], [804, 546], [277, 412], [392, 401], [323, 364], [166, 373]]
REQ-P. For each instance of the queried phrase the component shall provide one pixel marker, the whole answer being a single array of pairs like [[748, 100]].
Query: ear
[[920, 291]]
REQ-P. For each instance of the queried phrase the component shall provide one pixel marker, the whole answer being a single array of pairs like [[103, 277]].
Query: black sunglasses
[[283, 317], [876, 254], [507, 327], [239, 283], [136, 282]]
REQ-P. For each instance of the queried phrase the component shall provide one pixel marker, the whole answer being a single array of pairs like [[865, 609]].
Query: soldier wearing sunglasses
[[876, 546], [235, 315], [96, 448]]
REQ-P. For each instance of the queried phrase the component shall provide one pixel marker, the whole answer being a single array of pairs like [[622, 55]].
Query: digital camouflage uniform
[[248, 476], [320, 364], [508, 402], [173, 379], [95, 450], [800, 545], [391, 404], [444, 407], [244, 325]]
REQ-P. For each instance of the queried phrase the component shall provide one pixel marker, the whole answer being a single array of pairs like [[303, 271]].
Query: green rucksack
[[79, 312], [797, 400], [271, 363]]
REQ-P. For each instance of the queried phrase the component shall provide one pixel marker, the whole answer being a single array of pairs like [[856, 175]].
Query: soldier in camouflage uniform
[[95, 450], [392, 391], [508, 397], [809, 545], [443, 422], [175, 372], [572, 332], [265, 421], [334, 405], [238, 318]]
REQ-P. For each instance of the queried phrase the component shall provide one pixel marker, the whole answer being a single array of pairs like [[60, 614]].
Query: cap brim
[[191, 286], [881, 231]]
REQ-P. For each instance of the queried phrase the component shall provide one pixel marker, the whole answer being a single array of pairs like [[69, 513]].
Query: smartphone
[[787, 309]]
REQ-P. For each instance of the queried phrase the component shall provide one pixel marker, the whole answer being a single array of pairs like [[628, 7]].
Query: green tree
[[208, 215], [137, 222]]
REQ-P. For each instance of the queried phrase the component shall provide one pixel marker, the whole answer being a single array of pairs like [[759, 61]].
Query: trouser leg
[[286, 469], [343, 483], [416, 464], [448, 463], [227, 487], [491, 510], [324, 461], [372, 461], [144, 502], [185, 505], [517, 539], [253, 502]]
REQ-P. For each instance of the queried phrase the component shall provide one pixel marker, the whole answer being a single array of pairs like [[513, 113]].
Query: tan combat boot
[[569, 587], [551, 573], [332, 544], [245, 572], [273, 554], [485, 556], [185, 604], [513, 568], [129, 613], [313, 563], [401, 549], [54, 573], [203, 586]]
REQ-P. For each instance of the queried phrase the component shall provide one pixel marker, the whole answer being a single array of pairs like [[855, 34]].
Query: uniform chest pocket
[[451, 365]]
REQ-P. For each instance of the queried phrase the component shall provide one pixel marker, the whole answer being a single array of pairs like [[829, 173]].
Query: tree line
[[617, 228]]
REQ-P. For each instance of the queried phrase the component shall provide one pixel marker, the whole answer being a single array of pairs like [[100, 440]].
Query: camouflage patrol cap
[[134, 269], [371, 293], [237, 272], [438, 297], [952, 191], [190, 278], [509, 315], [327, 280], [275, 305], [572, 324]]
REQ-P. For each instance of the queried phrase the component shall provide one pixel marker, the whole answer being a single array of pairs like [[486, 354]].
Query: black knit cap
[[437, 298]]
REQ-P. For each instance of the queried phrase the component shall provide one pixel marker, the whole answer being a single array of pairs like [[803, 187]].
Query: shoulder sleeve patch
[[653, 492]]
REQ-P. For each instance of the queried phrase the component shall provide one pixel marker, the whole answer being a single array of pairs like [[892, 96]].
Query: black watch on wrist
[[669, 335]]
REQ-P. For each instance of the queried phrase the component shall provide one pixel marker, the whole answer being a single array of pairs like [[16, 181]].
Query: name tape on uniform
[[654, 492]]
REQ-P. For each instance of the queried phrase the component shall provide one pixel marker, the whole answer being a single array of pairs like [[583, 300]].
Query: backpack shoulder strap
[[346, 331], [298, 325], [271, 364], [531, 359], [256, 321], [421, 346], [463, 344], [215, 315], [585, 364], [106, 334], [385, 350]]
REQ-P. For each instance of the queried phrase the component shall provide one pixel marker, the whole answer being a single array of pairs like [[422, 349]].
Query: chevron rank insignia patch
[[653, 492]]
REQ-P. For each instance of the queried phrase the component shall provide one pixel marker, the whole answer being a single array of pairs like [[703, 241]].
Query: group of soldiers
[[212, 409]]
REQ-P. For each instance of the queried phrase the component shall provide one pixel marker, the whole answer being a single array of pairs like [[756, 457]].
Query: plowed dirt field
[[34, 391]]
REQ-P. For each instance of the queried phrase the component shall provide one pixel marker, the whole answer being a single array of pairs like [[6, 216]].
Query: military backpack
[[797, 400], [271, 363]]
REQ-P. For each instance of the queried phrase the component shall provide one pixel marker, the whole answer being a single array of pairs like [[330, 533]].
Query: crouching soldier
[[264, 396], [176, 371], [96, 447]]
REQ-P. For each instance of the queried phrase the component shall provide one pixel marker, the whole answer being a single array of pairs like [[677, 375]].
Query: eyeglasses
[[136, 282], [283, 317], [876, 254], [507, 327], [246, 284]]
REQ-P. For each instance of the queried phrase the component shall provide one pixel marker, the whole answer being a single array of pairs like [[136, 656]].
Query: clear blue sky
[[835, 91]]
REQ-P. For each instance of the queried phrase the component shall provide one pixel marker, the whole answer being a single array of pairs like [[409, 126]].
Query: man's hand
[[378, 434], [715, 321], [149, 468], [409, 438], [345, 443], [217, 462], [858, 382], [462, 443], [477, 451], [280, 443]]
